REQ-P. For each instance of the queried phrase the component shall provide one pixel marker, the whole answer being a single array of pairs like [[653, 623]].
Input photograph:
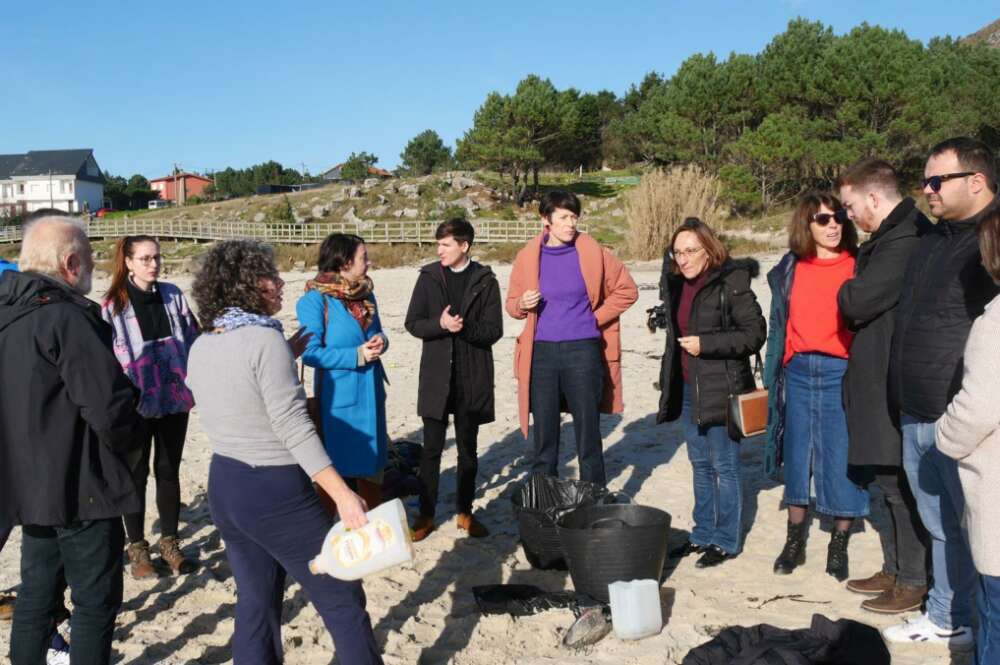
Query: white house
[[68, 180]]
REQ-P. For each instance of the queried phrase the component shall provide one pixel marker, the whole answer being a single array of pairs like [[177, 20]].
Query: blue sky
[[224, 83]]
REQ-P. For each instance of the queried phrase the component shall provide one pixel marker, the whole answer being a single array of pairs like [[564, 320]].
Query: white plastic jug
[[350, 554], [635, 609]]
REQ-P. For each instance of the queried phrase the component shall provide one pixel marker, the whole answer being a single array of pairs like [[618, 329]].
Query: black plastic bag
[[401, 476], [521, 600]]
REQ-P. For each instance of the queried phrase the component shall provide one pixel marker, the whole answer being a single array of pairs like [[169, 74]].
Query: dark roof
[[44, 162]]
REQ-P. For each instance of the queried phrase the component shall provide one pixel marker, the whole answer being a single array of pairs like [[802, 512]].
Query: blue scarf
[[233, 318]]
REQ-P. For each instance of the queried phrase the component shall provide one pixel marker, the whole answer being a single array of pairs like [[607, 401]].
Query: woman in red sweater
[[808, 347]]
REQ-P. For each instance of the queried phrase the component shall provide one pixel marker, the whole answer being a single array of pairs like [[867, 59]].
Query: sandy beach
[[425, 613]]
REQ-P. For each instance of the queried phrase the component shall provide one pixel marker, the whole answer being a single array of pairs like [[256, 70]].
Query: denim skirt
[[816, 437]]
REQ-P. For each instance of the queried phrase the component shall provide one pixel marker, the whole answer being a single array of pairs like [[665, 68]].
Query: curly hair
[[230, 276]]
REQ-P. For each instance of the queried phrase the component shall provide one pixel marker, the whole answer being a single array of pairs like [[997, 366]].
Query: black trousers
[[466, 438], [904, 539], [165, 439]]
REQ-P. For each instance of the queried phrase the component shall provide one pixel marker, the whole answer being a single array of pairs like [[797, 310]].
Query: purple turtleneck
[[564, 314]]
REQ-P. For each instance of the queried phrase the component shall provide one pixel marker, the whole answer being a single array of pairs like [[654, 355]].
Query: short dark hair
[[230, 276], [989, 241], [558, 198], [716, 251], [800, 238], [457, 228], [973, 155], [45, 212], [871, 173], [338, 250]]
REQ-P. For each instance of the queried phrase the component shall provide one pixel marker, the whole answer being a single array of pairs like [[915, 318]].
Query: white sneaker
[[56, 657], [921, 629]]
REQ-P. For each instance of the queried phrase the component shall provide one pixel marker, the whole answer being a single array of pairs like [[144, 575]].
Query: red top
[[814, 321], [688, 292]]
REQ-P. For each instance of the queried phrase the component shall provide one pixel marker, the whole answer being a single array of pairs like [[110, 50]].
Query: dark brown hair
[[800, 238], [717, 252], [558, 198], [989, 241], [337, 251], [457, 228], [117, 293], [973, 155], [230, 276], [871, 174]]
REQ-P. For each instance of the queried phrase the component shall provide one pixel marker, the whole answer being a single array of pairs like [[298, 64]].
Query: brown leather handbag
[[746, 413]]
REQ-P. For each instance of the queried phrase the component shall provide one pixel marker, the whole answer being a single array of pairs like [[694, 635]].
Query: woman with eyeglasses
[[153, 330], [807, 350], [715, 326]]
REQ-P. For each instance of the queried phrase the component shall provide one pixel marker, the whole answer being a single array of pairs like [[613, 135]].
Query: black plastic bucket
[[612, 543]]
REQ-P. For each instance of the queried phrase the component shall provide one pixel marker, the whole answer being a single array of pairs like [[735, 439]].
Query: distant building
[[183, 184], [67, 180], [333, 175]]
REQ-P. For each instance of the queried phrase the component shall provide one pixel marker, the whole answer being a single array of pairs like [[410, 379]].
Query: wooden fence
[[396, 231]]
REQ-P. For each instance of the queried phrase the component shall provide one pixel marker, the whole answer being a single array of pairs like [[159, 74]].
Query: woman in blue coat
[[345, 348]]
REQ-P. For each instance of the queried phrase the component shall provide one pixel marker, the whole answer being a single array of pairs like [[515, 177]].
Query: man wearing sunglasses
[[871, 196], [945, 288]]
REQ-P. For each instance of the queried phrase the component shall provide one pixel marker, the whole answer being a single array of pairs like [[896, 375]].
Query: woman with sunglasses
[[714, 326], [807, 350], [153, 330]]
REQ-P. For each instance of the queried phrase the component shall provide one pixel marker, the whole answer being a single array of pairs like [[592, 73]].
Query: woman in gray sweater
[[266, 457]]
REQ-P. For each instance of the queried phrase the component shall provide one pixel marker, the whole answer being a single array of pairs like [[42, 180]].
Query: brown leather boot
[[170, 552], [6, 608], [422, 527], [140, 565], [878, 583], [468, 523], [900, 598]]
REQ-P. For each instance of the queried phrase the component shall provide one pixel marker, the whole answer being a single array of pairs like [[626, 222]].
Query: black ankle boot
[[836, 554], [793, 554]]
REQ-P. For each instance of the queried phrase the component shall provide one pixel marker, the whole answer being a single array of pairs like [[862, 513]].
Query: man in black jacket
[[871, 196], [62, 433], [455, 310], [944, 290]]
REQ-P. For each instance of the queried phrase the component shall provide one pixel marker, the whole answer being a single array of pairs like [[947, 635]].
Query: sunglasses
[[935, 181], [824, 218]]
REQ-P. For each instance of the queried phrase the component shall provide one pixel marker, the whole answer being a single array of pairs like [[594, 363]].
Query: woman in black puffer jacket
[[714, 325]]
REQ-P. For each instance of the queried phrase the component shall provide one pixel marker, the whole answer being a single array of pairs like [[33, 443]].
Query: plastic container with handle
[[350, 554], [635, 609]]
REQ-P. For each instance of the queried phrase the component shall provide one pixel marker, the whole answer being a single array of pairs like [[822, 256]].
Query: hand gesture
[[691, 344], [450, 323], [372, 349], [529, 300], [297, 343]]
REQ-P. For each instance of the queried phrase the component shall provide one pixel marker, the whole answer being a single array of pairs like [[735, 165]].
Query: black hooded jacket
[[728, 339], [482, 328], [67, 411]]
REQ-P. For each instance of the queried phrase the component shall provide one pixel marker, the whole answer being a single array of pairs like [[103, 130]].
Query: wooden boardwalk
[[396, 231]]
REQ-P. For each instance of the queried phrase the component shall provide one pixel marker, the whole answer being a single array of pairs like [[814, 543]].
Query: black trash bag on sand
[[825, 642], [521, 600], [541, 500], [401, 478]]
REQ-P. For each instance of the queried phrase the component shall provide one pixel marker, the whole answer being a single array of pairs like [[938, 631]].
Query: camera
[[657, 317]]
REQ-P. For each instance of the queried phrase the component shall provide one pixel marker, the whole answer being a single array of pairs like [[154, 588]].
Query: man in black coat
[[944, 290], [871, 196], [455, 310], [67, 413]]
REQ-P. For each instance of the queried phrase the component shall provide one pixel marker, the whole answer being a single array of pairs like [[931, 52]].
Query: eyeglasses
[[686, 253], [146, 260], [935, 181], [824, 218]]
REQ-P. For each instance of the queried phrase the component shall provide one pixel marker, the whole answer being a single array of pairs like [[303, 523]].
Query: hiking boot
[[878, 583], [713, 556], [140, 565], [6, 608], [900, 598], [921, 629], [422, 528], [836, 554], [793, 554], [170, 552], [468, 523]]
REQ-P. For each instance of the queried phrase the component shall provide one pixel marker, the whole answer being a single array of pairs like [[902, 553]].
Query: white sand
[[425, 613]]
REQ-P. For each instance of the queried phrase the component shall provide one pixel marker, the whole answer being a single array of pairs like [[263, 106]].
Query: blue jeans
[[988, 639], [934, 480], [718, 497], [574, 372], [816, 437], [90, 554], [272, 522]]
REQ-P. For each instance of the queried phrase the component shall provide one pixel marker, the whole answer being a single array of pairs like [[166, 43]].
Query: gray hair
[[47, 241]]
